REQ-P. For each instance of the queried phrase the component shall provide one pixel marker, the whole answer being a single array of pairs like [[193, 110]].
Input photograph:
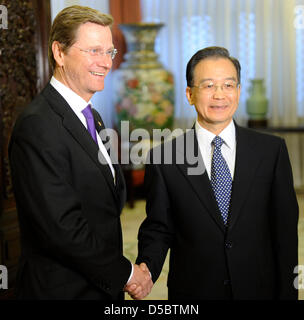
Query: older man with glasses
[[231, 228]]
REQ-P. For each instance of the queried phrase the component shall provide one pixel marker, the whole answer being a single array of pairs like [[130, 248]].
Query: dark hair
[[210, 52]]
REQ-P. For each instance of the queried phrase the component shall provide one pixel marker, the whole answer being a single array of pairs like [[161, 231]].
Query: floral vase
[[144, 90], [257, 104]]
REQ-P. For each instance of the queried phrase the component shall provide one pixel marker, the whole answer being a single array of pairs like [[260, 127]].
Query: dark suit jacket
[[69, 208], [254, 257]]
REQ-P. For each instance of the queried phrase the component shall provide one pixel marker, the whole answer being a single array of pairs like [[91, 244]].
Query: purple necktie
[[87, 112]]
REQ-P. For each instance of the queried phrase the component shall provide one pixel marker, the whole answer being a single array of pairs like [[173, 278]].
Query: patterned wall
[[18, 76]]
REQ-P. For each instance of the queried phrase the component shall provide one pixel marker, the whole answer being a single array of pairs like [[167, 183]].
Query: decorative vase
[[144, 91], [257, 104]]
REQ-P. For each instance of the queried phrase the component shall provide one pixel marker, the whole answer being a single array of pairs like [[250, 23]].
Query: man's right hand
[[140, 285]]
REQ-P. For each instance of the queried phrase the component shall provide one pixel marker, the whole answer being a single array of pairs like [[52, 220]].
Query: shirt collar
[[228, 135], [73, 99], [206, 137]]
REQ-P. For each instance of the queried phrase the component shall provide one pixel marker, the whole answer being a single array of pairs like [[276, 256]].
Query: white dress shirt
[[77, 104], [228, 148]]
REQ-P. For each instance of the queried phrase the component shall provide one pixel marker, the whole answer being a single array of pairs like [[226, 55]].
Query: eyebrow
[[101, 47], [211, 79]]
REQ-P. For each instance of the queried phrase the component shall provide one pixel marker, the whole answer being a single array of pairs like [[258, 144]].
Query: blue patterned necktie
[[221, 180], [87, 112]]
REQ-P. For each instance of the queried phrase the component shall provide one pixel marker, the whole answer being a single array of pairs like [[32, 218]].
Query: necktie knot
[[217, 142], [88, 114]]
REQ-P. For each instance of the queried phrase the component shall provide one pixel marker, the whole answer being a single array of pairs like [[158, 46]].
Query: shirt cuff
[[131, 273]]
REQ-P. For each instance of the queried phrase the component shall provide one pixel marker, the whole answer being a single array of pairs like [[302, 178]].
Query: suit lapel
[[246, 163], [200, 183], [120, 186], [78, 131], [83, 137]]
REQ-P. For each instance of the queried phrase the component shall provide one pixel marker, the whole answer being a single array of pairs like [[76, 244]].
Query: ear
[[58, 53], [189, 96]]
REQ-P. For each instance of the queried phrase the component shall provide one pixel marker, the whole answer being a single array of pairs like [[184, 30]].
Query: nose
[[104, 61], [218, 92]]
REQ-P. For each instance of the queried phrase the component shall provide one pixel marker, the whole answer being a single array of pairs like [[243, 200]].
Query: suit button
[[228, 245], [226, 282], [107, 286]]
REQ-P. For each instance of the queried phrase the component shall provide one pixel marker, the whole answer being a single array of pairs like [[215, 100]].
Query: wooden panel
[[11, 248], [1, 166], [10, 238], [24, 72], [18, 76], [43, 21], [1, 250], [24, 67]]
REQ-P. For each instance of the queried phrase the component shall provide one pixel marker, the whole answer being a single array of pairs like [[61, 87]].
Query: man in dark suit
[[231, 222], [68, 202]]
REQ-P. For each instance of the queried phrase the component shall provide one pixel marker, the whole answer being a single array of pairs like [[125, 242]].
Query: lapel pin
[[99, 123]]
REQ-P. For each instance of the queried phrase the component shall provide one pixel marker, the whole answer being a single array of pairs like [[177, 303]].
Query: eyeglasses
[[210, 86], [100, 52]]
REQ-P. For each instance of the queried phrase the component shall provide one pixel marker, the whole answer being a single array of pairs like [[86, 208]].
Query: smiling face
[[78, 70], [215, 108]]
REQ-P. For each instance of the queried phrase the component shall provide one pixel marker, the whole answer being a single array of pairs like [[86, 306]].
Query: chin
[[217, 120], [97, 88]]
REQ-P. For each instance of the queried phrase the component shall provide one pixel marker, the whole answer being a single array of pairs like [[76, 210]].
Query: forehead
[[93, 34], [213, 68]]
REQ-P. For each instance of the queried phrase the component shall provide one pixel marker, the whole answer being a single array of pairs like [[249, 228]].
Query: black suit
[[68, 205], [254, 257]]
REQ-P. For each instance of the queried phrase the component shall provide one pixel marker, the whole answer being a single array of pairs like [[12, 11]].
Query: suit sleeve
[[52, 209], [156, 232], [285, 213]]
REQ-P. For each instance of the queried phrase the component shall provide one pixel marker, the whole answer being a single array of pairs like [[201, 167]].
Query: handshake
[[140, 285]]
